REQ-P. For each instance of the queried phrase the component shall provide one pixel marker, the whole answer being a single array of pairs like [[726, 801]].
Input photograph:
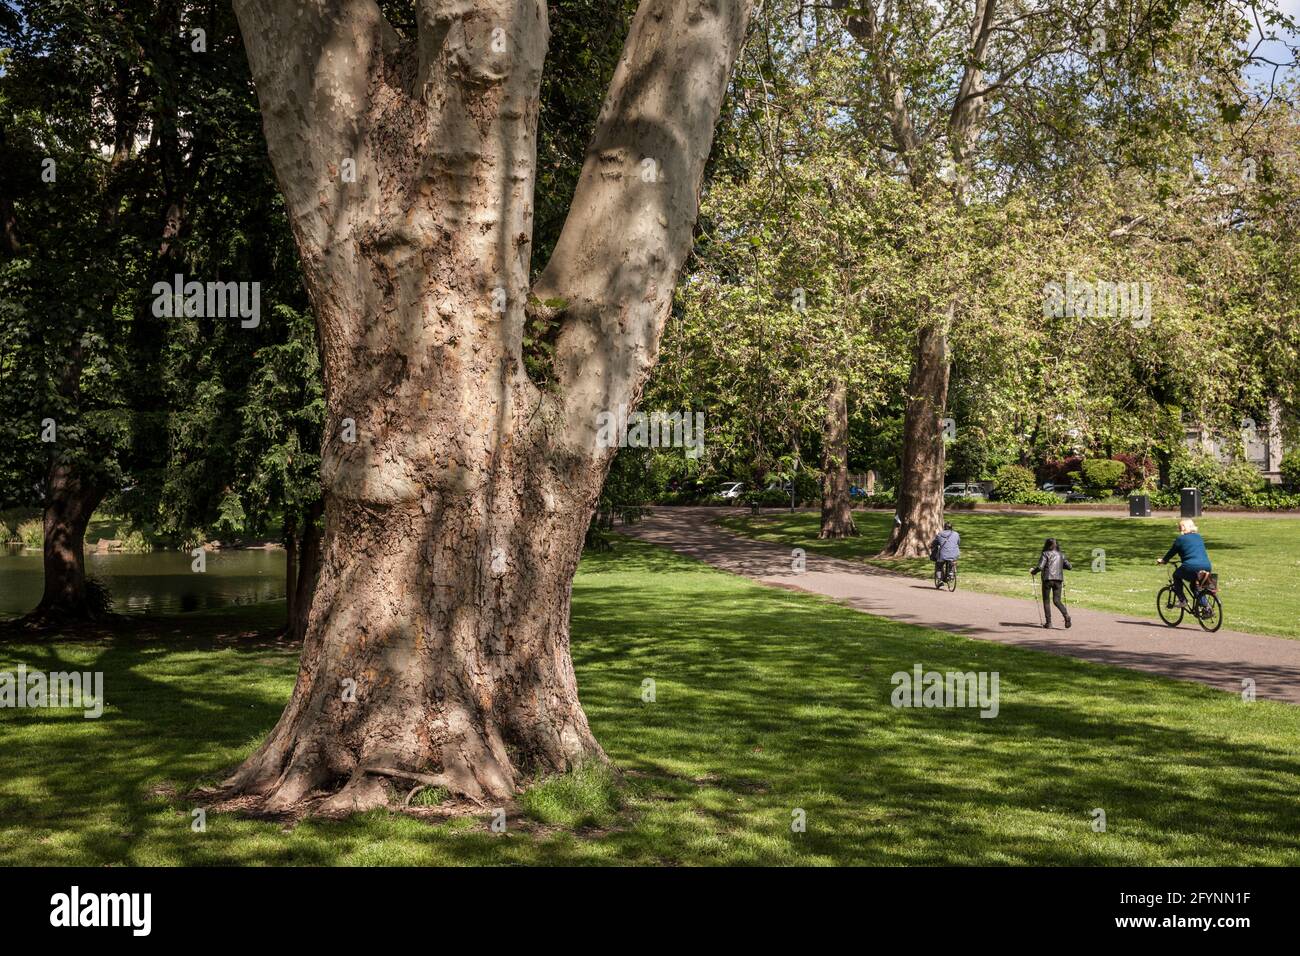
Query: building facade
[[1261, 441]]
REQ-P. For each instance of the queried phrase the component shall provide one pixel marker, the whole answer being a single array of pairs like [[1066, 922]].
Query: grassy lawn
[[1257, 559], [766, 702]]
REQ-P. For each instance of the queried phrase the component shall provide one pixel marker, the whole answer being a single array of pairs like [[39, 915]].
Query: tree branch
[[320, 53], [629, 228], [866, 30]]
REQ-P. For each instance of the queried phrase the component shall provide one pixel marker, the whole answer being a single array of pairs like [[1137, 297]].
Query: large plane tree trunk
[[837, 505], [69, 503], [437, 644], [920, 490]]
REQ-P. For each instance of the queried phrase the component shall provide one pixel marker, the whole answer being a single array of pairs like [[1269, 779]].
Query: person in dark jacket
[[946, 546], [1189, 547], [1053, 564]]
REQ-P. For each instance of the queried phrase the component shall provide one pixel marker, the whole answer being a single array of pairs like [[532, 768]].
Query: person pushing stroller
[[1052, 564]]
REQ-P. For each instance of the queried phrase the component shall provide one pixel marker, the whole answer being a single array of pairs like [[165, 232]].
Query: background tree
[[969, 102], [152, 414], [787, 320], [103, 177]]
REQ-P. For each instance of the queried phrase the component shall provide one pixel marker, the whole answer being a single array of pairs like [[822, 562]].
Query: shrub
[[1060, 470], [32, 534], [1239, 480], [136, 543], [1291, 468], [1012, 480], [1219, 484], [767, 498], [1139, 473], [1282, 500], [1103, 473], [808, 485], [1194, 471], [1034, 497], [1272, 500], [1165, 498]]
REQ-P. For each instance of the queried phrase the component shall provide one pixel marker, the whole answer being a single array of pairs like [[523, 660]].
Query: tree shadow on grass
[[765, 702], [811, 692], [176, 730]]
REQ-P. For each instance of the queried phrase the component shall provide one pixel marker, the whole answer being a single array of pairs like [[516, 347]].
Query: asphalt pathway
[[1222, 660]]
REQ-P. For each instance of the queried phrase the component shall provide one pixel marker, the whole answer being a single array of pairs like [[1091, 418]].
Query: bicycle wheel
[[1211, 616], [1167, 607], [952, 580], [938, 576]]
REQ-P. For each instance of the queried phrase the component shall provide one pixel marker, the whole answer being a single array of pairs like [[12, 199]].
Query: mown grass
[[765, 702], [1257, 559]]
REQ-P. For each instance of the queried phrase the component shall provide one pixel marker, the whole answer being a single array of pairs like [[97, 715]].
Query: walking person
[[1052, 564]]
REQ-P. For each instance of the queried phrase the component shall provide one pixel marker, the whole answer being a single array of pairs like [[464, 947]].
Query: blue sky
[[1276, 50]]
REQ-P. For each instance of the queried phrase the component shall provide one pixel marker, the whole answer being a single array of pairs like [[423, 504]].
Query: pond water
[[160, 582]]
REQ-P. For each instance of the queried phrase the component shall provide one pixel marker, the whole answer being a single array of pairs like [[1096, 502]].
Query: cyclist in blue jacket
[[945, 549], [1189, 546]]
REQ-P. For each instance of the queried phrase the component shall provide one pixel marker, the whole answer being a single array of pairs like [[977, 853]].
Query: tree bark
[[837, 506], [920, 489], [436, 648], [69, 504]]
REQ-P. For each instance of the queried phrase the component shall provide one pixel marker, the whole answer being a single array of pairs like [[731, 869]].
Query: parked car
[[962, 489], [856, 492], [1073, 495], [731, 490], [1058, 487]]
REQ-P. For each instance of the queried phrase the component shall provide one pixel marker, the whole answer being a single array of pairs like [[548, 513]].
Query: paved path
[[1220, 660], [1063, 511]]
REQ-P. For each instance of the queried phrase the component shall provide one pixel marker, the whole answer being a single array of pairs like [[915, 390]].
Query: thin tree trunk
[[920, 490], [837, 506], [290, 538], [308, 549], [69, 505]]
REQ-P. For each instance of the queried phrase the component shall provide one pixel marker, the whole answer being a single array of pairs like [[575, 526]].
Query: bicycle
[[1205, 605], [945, 572]]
